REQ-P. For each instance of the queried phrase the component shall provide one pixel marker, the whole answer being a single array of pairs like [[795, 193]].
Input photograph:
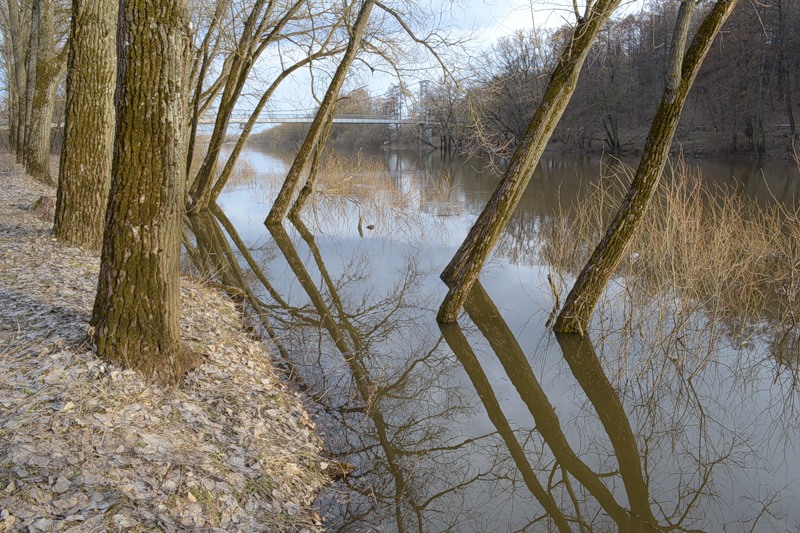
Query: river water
[[496, 424]]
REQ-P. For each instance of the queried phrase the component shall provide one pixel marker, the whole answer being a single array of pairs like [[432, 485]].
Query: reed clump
[[698, 248]]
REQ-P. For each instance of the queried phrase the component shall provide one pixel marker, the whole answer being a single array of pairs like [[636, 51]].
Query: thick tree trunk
[[582, 299], [466, 265], [284, 199], [136, 313], [85, 166]]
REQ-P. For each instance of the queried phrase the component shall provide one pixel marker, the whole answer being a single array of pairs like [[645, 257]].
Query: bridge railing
[[279, 117]]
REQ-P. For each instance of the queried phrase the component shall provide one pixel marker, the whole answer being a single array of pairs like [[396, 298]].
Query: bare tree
[[682, 70], [303, 26], [318, 125], [463, 270]]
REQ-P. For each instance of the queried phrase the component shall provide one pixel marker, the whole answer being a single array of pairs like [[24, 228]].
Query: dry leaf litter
[[86, 446]]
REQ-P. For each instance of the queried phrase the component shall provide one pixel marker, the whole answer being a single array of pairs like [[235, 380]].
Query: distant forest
[[745, 101]]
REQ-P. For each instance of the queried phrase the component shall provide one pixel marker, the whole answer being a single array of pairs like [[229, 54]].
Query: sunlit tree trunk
[[462, 271], [682, 71], [284, 198], [85, 166], [136, 312], [47, 65]]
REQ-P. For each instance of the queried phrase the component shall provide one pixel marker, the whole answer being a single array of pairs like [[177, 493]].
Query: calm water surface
[[496, 424]]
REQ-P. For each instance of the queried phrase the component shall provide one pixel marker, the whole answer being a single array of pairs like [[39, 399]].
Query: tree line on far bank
[[139, 81], [745, 101]]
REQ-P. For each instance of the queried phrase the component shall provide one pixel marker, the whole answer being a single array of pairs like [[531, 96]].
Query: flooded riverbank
[[495, 424]]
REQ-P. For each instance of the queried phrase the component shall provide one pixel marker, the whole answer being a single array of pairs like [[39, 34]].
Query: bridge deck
[[294, 118]]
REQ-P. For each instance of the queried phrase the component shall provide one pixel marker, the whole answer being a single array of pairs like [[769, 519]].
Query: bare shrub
[[699, 248]]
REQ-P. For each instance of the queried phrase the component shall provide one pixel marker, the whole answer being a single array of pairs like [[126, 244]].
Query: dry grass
[[243, 173], [360, 186], [698, 249]]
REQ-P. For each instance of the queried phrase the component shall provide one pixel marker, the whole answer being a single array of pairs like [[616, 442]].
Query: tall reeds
[[700, 248]]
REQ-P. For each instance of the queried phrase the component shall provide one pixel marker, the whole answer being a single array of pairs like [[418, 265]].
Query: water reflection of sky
[[431, 424]]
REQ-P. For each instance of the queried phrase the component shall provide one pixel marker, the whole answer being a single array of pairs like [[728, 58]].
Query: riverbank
[[87, 446]]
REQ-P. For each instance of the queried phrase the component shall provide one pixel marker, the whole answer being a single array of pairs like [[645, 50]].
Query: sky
[[484, 20]]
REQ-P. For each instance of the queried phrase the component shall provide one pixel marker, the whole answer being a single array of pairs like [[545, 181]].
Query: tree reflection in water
[[667, 431], [689, 440]]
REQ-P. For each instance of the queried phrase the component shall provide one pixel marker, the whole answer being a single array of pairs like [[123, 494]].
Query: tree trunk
[[308, 188], [30, 79], [251, 44], [227, 170], [136, 313], [462, 271], [19, 28], [282, 202], [47, 67], [591, 282], [85, 166]]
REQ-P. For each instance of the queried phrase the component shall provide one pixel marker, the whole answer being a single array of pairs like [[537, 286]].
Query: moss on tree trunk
[[136, 313], [85, 165], [582, 299], [465, 266]]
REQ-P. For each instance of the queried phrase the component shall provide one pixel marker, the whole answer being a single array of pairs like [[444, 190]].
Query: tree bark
[[463, 270], [136, 312], [47, 66], [85, 167], [282, 202], [582, 299], [19, 39]]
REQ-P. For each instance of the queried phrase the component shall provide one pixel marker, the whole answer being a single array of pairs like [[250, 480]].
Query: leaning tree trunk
[[283, 201], [136, 312], [466, 265], [683, 69], [85, 166]]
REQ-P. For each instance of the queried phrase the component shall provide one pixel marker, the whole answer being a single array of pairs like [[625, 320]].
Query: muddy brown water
[[496, 424]]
